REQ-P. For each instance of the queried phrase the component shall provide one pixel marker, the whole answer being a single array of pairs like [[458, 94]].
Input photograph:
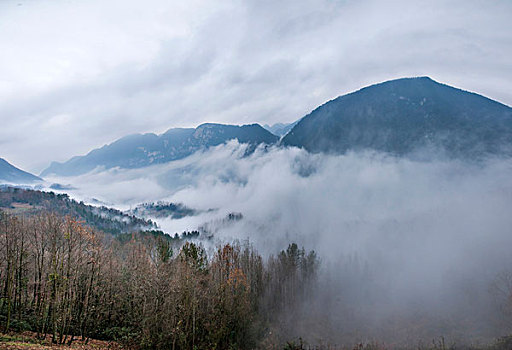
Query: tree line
[[61, 278], [108, 220]]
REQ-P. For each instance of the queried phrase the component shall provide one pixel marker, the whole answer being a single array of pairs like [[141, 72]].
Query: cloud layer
[[431, 236], [76, 75]]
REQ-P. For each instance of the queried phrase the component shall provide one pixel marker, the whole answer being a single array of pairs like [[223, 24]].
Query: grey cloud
[[239, 62], [433, 234]]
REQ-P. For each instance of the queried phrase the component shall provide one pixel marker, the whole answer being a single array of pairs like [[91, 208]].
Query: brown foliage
[[66, 281]]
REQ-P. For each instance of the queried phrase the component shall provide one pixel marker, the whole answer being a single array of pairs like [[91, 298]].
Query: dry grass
[[28, 340]]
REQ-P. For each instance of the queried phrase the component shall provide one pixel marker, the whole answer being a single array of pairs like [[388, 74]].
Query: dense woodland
[[62, 278], [163, 210], [31, 202], [65, 278]]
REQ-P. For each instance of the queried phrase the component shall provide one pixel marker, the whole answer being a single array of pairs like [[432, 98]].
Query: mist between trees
[[61, 278]]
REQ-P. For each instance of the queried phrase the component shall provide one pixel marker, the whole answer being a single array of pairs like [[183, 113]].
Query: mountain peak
[[9, 173], [140, 150], [404, 115]]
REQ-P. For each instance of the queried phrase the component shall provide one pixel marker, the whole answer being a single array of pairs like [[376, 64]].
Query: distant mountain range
[[399, 117], [141, 150], [406, 115], [10, 174], [280, 129]]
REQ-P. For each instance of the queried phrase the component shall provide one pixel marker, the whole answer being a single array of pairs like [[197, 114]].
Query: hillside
[[163, 210], [30, 202], [10, 174], [280, 129], [140, 150], [405, 115]]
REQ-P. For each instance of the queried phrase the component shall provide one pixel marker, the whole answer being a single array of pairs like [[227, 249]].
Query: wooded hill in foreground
[[65, 280]]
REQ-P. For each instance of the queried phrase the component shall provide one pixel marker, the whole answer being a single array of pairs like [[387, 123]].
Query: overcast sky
[[75, 75]]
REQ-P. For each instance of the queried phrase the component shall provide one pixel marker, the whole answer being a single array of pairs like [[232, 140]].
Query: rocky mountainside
[[142, 150]]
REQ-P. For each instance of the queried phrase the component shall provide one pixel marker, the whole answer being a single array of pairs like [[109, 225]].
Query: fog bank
[[416, 242]]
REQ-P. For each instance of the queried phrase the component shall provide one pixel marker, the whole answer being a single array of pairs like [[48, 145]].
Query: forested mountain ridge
[[162, 210], [31, 202], [399, 116], [10, 174], [405, 115], [140, 150]]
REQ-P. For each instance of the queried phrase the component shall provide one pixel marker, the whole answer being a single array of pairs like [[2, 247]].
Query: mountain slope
[[9, 173], [405, 115], [280, 129], [31, 202], [138, 150]]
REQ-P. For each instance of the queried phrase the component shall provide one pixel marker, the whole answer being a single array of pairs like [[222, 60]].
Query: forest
[[63, 279], [67, 283], [28, 202]]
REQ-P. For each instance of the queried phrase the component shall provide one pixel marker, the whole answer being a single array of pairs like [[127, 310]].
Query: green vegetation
[[163, 210], [31, 202]]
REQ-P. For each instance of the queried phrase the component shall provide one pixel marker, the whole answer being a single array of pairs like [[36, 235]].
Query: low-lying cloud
[[431, 236]]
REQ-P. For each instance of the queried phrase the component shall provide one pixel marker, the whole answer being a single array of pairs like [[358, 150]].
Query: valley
[[383, 212]]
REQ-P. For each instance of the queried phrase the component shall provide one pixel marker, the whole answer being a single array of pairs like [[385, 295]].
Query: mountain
[[10, 174], [140, 150], [280, 129], [404, 116]]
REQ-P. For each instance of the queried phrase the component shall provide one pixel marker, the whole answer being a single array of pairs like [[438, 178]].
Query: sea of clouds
[[431, 235]]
